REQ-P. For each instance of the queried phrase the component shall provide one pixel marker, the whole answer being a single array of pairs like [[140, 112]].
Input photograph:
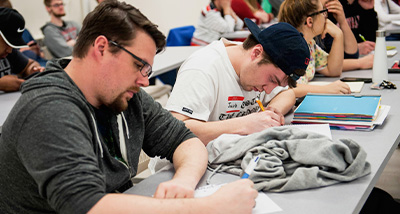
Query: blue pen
[[249, 169]]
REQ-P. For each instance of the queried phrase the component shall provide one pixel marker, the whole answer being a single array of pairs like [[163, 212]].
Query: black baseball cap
[[284, 44], [12, 25]]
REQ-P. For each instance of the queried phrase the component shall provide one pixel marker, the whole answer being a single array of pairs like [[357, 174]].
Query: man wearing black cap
[[223, 81], [12, 61]]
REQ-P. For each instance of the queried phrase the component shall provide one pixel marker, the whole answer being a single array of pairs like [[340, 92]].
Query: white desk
[[240, 34], [392, 28], [236, 34], [7, 101], [339, 198], [172, 58]]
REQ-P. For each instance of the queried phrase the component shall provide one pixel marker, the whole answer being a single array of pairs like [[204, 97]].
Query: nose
[[143, 81], [268, 88]]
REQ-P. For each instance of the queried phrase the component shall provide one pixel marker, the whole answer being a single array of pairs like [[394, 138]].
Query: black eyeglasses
[[57, 5], [324, 11], [146, 69]]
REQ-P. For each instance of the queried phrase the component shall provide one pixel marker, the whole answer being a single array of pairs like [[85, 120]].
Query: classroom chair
[[180, 36]]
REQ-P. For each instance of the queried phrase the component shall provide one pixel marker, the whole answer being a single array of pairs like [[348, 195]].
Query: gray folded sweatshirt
[[290, 158]]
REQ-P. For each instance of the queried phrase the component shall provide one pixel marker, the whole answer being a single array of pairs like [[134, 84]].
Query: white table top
[[172, 58], [392, 28], [340, 198], [7, 101]]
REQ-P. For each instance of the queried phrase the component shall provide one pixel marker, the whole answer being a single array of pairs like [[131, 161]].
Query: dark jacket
[[53, 157]]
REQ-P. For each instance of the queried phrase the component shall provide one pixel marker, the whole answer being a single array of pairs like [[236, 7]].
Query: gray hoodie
[[54, 159]]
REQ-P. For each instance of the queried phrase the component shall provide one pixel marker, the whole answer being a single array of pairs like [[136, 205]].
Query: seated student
[[310, 18], [352, 60], [251, 9], [13, 64], [33, 50], [387, 11], [215, 19], [59, 35], [217, 86], [77, 131], [362, 19]]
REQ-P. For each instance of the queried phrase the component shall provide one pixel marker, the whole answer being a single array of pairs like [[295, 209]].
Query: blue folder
[[340, 107]]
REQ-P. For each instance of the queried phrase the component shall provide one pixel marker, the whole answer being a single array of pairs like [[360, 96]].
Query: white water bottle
[[380, 69]]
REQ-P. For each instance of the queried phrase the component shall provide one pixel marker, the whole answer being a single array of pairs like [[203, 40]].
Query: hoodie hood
[[54, 78]]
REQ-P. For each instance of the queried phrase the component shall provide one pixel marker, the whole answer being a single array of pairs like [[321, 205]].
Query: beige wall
[[166, 14]]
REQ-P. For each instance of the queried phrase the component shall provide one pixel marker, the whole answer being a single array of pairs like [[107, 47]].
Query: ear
[[100, 45], [257, 52], [309, 21], [48, 9]]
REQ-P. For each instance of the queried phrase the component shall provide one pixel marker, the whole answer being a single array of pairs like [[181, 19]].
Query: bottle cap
[[380, 33]]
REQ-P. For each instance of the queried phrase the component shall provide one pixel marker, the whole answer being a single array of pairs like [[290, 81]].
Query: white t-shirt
[[212, 25], [207, 87]]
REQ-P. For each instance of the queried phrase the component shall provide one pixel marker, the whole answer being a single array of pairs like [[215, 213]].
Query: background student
[[310, 18], [251, 9], [352, 59], [387, 11], [75, 136], [215, 19], [32, 50], [362, 19], [217, 87], [13, 64], [59, 35]]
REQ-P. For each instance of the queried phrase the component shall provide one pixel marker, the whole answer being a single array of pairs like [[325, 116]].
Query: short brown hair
[[5, 3], [47, 2], [295, 12], [119, 22], [251, 41]]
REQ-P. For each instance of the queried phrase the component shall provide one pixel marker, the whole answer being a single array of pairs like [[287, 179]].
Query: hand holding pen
[[365, 47], [281, 119]]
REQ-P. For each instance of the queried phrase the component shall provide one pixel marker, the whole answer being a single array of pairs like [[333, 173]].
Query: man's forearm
[[284, 101], [190, 161]]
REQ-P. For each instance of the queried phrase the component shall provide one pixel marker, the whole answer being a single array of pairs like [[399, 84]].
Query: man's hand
[[366, 47], [236, 197], [10, 83], [257, 122], [174, 189], [33, 67]]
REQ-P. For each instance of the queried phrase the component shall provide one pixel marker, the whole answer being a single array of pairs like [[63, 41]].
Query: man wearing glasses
[[72, 142], [59, 35]]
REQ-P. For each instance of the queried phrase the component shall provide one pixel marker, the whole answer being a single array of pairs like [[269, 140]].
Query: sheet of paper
[[396, 22], [355, 87], [263, 203], [317, 128]]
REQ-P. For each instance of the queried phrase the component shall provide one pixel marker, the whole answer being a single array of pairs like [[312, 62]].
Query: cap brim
[[253, 27], [17, 43]]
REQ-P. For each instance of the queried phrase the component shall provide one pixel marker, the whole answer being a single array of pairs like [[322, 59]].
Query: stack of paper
[[355, 87], [349, 112]]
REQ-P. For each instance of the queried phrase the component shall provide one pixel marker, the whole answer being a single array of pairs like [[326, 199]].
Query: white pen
[[249, 169]]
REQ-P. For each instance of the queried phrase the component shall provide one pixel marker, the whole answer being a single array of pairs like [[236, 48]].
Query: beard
[[120, 103], [58, 15]]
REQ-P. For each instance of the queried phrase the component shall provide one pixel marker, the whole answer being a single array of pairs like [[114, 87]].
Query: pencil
[[362, 37], [260, 104]]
